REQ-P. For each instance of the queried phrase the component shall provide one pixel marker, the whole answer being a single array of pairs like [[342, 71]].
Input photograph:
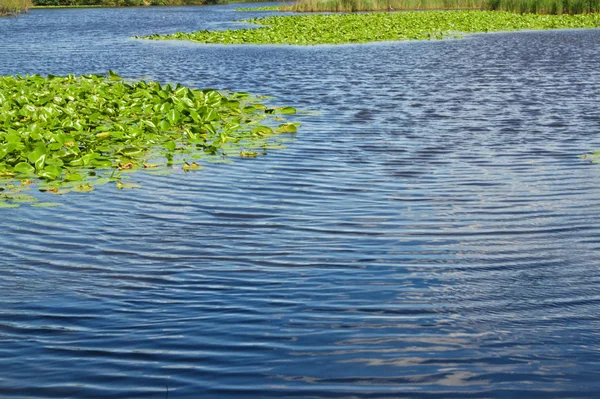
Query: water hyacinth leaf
[[74, 177], [287, 110], [113, 76], [40, 162], [35, 155], [262, 130], [164, 125], [101, 163], [170, 145], [132, 152], [50, 172], [195, 116], [210, 115], [173, 117], [287, 128], [88, 158], [24, 168], [12, 138], [4, 150]]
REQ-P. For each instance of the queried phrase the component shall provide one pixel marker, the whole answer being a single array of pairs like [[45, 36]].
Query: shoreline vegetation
[[375, 27], [120, 3], [517, 6], [73, 133], [14, 7], [558, 7]]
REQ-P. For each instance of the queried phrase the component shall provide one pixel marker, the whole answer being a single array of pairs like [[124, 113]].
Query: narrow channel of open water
[[431, 233]]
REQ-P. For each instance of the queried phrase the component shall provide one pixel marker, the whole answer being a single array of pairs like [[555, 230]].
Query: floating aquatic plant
[[374, 27], [265, 8], [64, 133]]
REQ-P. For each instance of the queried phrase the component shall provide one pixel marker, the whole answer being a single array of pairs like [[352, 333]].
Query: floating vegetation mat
[[265, 8], [72, 133], [374, 27]]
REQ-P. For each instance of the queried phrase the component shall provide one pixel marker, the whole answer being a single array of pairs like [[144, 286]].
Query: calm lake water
[[432, 232]]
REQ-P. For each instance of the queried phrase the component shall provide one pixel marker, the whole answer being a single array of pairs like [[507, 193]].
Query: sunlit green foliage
[[373, 27], [72, 133], [384, 5], [518, 6]]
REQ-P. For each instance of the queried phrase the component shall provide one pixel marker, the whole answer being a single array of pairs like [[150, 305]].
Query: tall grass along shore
[[118, 3], [123, 3], [14, 7]]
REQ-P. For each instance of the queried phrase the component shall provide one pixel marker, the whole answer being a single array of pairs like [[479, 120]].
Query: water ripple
[[429, 232]]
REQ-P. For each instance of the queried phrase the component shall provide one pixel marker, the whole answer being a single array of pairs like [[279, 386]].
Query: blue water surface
[[430, 232]]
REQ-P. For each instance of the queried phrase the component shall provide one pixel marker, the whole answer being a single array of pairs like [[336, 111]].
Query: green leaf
[[262, 130], [287, 110], [126, 186], [113, 76], [20, 198], [173, 117], [4, 150], [287, 128], [25, 168], [170, 145], [50, 172], [73, 177]]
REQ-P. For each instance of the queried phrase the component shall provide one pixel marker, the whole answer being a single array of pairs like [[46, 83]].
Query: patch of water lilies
[[374, 27], [73, 133], [265, 8]]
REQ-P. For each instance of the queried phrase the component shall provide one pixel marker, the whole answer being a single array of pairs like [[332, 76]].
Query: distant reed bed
[[382, 5], [14, 7], [545, 6], [516, 6]]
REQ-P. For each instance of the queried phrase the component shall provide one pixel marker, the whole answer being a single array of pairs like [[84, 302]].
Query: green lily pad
[[73, 133]]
